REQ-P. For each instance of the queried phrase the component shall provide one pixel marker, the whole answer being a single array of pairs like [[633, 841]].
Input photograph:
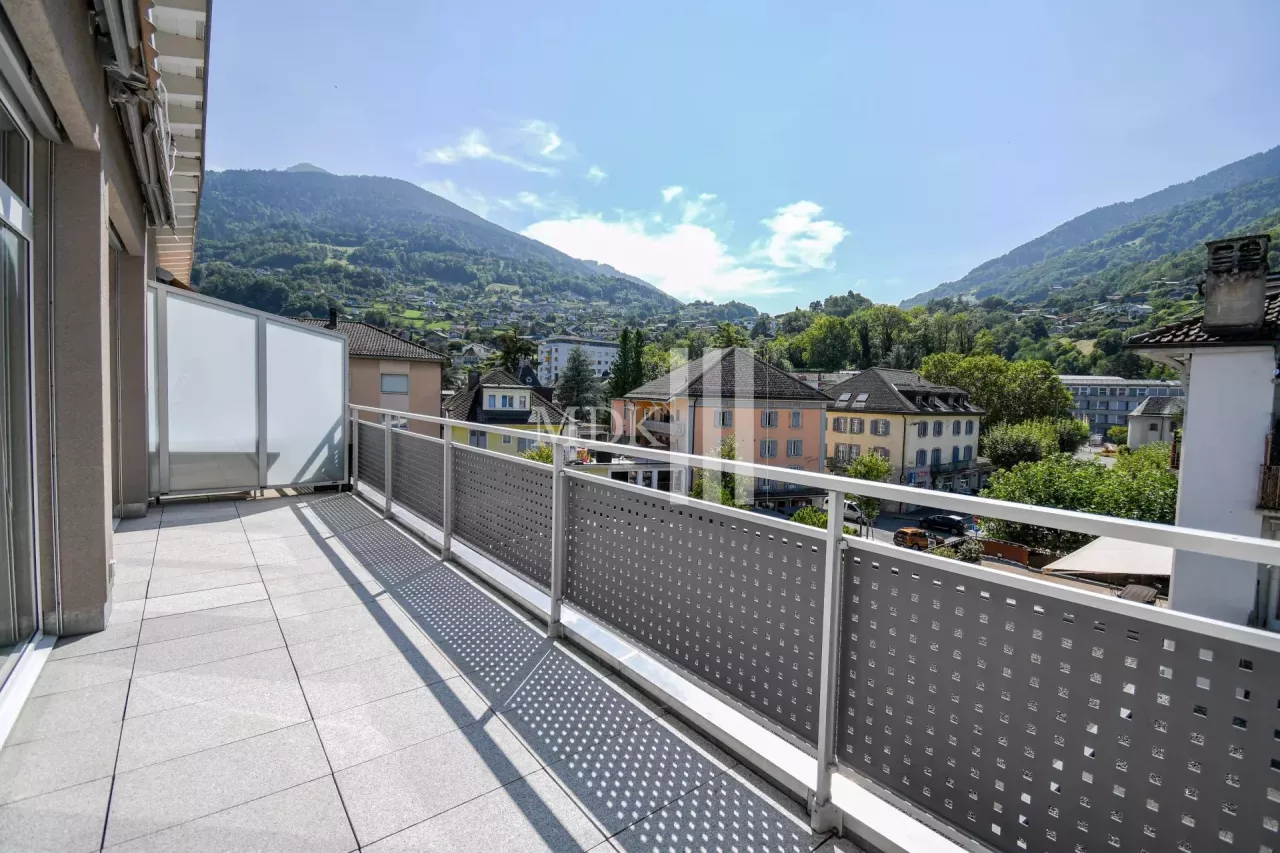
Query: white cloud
[[595, 174], [688, 261], [543, 139], [474, 145], [686, 256], [800, 241], [470, 199]]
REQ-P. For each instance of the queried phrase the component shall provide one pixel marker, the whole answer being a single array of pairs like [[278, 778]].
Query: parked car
[[912, 537], [954, 524], [851, 511]]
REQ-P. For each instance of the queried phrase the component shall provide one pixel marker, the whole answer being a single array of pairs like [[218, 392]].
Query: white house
[[1154, 419], [553, 356], [1227, 358]]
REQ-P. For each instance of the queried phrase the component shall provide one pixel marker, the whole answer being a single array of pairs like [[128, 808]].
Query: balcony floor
[[295, 674]]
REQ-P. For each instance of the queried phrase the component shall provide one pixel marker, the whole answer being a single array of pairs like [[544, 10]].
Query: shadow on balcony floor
[[297, 674]]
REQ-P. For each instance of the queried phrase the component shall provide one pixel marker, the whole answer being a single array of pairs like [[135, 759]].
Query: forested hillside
[[296, 241], [1164, 222]]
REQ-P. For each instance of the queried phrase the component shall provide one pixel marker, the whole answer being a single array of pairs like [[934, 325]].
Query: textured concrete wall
[[82, 388], [132, 394]]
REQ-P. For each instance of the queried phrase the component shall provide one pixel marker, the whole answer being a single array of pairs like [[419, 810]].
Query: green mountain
[[300, 239], [1163, 223]]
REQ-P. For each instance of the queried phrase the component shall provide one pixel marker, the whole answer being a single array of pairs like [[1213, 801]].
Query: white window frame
[[797, 419], [795, 447], [769, 418], [768, 448]]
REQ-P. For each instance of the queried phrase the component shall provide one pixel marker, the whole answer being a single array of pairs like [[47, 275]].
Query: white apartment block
[[1106, 401], [553, 356]]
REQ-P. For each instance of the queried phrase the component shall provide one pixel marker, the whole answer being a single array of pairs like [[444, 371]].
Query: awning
[[1104, 556]]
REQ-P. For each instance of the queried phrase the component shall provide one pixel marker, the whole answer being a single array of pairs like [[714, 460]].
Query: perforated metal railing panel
[[737, 603], [417, 480], [371, 455], [1035, 723], [503, 507]]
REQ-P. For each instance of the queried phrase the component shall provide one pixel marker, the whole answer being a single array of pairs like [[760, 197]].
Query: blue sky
[[769, 152]]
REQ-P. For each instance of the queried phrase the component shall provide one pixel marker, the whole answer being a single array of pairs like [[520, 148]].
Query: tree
[[512, 349], [760, 328], [1139, 486], [970, 550], [620, 380], [654, 362], [544, 453], [1118, 435], [1008, 444], [578, 389], [1008, 391], [828, 343], [728, 335], [725, 488], [869, 467], [811, 516], [377, 317], [635, 361]]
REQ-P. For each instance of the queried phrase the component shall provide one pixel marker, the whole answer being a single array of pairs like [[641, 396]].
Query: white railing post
[[386, 470], [446, 509], [823, 815], [559, 511], [355, 452]]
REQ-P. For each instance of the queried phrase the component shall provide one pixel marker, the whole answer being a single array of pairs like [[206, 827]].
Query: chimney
[[473, 378], [1235, 283], [333, 318]]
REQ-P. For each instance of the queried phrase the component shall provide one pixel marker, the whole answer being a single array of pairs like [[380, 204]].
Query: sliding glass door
[[18, 598]]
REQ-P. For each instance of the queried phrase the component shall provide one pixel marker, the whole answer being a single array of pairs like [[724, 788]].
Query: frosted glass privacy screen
[[305, 405]]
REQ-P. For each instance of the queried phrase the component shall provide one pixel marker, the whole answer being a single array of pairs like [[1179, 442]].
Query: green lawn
[[411, 314], [440, 324]]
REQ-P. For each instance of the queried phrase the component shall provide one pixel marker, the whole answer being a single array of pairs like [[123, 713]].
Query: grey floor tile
[[84, 671], [169, 794], [726, 814], [349, 570], [281, 587], [161, 587], [126, 611], [563, 708], [53, 763], [367, 731], [180, 731], [121, 635], [197, 561], [839, 845], [369, 644], [344, 620], [629, 777], [71, 711], [205, 648], [278, 524], [65, 821], [184, 538], [326, 599], [391, 793], [338, 689], [121, 592], [531, 814], [131, 573], [307, 818], [287, 549], [149, 522], [204, 600], [140, 548], [205, 621], [178, 687]]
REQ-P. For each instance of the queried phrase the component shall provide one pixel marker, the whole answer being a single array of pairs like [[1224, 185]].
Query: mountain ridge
[[999, 276]]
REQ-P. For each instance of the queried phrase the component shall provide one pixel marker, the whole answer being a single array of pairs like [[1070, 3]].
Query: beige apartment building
[[929, 433], [389, 372]]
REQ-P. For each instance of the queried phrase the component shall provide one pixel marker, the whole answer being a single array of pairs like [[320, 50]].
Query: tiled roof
[[1191, 332], [465, 404], [898, 391], [728, 373], [370, 341], [1158, 406]]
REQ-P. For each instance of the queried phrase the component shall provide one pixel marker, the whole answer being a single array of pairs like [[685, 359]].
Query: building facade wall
[[749, 429], [553, 356], [1105, 401], [364, 377], [1147, 430], [1218, 478]]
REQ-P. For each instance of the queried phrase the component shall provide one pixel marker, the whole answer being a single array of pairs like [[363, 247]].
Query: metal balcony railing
[[1026, 714]]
